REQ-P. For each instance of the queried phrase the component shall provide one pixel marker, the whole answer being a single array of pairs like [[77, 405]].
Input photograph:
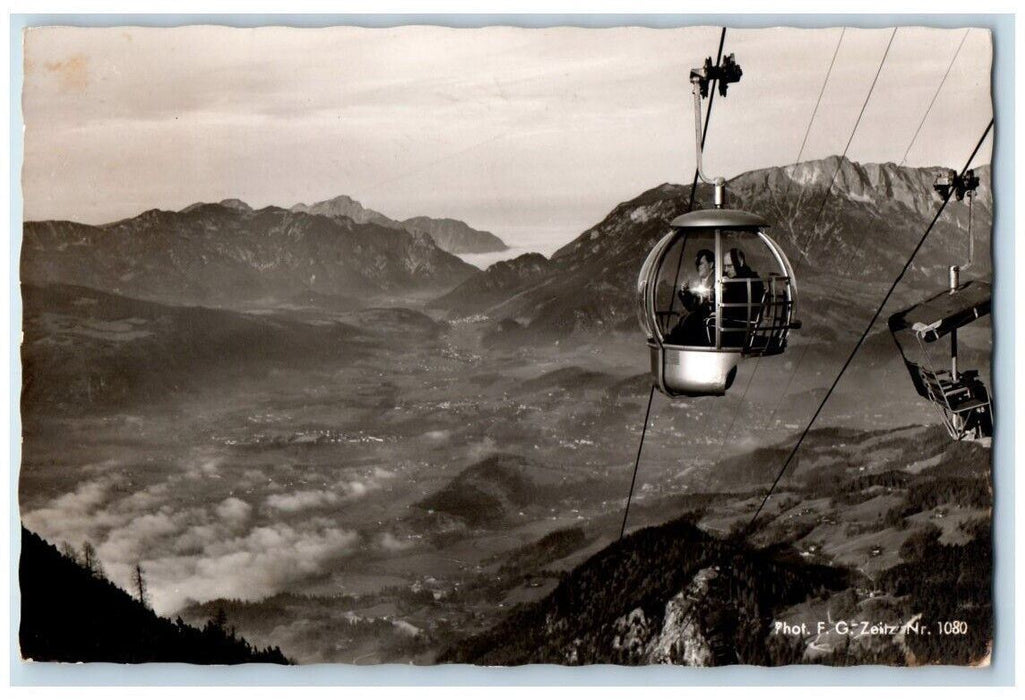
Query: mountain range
[[451, 235], [836, 220], [226, 253], [108, 323]]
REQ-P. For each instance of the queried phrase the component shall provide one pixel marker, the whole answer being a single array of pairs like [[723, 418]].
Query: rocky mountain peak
[[344, 205], [236, 204], [876, 184], [861, 224], [455, 236], [451, 235]]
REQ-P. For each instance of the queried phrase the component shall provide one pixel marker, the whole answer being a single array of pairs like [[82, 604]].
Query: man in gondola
[[742, 296]]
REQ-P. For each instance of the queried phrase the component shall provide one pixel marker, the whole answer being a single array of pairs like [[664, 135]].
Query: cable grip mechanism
[[724, 74], [951, 184]]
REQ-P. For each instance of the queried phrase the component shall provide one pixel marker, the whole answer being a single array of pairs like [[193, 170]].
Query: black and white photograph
[[507, 345]]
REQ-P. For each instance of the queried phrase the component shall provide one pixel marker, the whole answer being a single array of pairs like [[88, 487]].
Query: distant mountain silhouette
[[862, 230], [455, 236], [229, 203], [227, 253], [71, 614], [501, 281], [348, 207], [451, 235]]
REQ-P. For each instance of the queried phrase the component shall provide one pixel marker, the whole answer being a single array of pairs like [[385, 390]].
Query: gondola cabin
[[960, 394], [715, 290]]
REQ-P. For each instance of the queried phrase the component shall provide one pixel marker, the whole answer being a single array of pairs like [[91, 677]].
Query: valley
[[395, 461], [405, 486]]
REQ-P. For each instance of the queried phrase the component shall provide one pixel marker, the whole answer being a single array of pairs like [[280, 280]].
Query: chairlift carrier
[[961, 395]]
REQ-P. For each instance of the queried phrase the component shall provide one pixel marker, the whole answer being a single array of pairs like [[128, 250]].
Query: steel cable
[[690, 206], [864, 335]]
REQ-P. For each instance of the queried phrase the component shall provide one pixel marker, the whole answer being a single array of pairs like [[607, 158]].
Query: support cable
[[839, 163], [935, 95], [811, 229], [822, 206], [800, 260], [697, 171], [864, 335], [815, 111], [637, 461], [690, 207]]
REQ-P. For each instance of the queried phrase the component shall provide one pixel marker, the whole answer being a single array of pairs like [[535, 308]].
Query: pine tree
[[140, 585], [90, 561], [68, 550], [220, 619]]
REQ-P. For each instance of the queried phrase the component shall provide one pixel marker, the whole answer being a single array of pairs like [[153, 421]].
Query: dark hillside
[[489, 491], [497, 283], [948, 583], [71, 614]]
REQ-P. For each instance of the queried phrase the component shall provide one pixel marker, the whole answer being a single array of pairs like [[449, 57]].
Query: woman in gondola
[[698, 299]]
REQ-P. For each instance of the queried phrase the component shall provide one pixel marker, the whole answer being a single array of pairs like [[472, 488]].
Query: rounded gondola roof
[[719, 218]]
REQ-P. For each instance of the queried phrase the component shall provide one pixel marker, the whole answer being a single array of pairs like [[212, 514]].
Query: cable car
[[713, 291], [961, 396], [717, 288]]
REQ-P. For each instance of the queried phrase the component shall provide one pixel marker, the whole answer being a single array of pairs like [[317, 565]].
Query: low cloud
[[390, 543], [480, 450], [198, 537], [262, 563], [342, 490], [147, 499], [223, 548], [234, 511], [77, 516], [302, 500], [356, 489], [145, 534], [204, 469]]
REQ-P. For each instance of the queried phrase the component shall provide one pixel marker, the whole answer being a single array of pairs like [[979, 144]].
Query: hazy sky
[[534, 134]]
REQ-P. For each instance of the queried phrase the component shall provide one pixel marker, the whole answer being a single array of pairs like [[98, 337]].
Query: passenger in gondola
[[742, 296], [698, 292], [698, 298]]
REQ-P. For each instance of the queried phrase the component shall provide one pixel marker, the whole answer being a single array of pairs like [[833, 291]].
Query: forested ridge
[[578, 622], [71, 612]]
